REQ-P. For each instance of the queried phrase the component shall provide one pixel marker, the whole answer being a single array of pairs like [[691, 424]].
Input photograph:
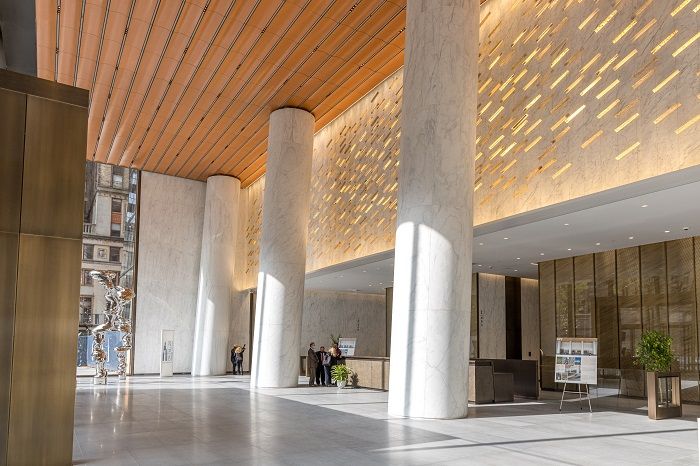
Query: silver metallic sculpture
[[115, 320]]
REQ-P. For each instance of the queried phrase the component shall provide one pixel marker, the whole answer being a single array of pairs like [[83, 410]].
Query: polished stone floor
[[219, 420]]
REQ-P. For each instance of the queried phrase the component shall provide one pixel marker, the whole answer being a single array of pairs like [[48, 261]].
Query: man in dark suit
[[311, 363], [320, 376]]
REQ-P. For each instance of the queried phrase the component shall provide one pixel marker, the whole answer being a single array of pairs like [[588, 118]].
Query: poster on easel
[[167, 344], [347, 346], [576, 361]]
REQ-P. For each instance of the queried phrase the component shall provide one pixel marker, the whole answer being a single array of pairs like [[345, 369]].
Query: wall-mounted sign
[[576, 361], [167, 346], [347, 346]]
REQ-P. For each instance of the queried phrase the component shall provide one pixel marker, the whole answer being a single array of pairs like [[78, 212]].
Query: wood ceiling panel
[[185, 87]]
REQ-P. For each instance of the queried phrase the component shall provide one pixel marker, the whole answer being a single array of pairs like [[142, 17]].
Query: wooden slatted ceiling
[[185, 87]]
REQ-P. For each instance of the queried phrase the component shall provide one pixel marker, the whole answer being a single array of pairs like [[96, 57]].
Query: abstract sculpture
[[115, 320]]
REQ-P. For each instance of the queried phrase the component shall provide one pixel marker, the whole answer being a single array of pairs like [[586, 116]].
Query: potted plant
[[654, 355], [340, 374]]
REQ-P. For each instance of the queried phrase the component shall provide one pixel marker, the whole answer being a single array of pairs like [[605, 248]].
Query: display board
[[347, 346], [576, 361], [167, 346]]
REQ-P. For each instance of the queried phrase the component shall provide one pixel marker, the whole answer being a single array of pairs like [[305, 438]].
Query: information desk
[[368, 372]]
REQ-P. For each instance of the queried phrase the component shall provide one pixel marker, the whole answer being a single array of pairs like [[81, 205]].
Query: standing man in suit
[[320, 379], [311, 363]]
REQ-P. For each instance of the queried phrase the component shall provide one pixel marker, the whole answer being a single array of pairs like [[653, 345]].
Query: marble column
[[432, 274], [279, 304], [210, 350]]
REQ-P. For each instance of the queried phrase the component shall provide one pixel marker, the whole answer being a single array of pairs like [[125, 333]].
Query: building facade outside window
[[109, 239]]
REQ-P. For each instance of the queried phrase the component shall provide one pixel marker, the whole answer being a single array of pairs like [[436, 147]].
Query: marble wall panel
[[352, 315], [492, 316], [564, 269], [169, 246], [530, 318], [629, 303], [606, 310]]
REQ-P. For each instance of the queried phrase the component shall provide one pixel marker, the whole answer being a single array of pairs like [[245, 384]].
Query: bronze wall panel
[[584, 297], [43, 381], [53, 186], [12, 113], [8, 281], [653, 276], [606, 311], [548, 333], [682, 318], [474, 319], [565, 297], [630, 311]]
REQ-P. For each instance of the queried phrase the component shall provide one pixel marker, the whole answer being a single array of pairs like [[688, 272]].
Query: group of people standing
[[319, 364], [237, 359]]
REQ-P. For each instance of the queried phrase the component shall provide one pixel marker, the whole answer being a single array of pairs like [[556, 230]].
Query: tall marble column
[[210, 351], [432, 274], [280, 296]]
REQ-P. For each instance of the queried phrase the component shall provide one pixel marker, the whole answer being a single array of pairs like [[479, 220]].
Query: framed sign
[[347, 346], [576, 361], [167, 346]]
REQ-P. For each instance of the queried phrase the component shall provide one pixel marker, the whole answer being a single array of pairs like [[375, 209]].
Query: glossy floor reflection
[[219, 420]]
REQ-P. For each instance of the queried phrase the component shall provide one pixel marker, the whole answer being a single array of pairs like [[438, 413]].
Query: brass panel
[[53, 182], [606, 311], [682, 318], [11, 152], [584, 297], [548, 333], [654, 300], [43, 381], [25, 84], [474, 319], [8, 280], [630, 312], [565, 297]]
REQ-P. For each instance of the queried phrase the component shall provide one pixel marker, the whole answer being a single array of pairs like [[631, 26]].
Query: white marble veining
[[216, 276], [171, 214], [492, 316], [280, 288], [432, 276], [352, 315], [530, 318]]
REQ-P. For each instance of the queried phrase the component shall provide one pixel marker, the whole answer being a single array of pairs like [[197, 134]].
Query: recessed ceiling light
[[566, 224], [478, 265], [631, 237], [667, 231], [364, 271], [505, 237], [517, 258], [515, 270], [533, 263], [597, 244], [541, 254], [645, 205], [481, 244], [569, 249], [341, 276], [381, 283]]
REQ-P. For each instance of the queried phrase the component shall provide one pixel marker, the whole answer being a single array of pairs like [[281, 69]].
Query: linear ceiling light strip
[[133, 79], [170, 82], [186, 88], [114, 77], [338, 47], [80, 39], [150, 83], [99, 54]]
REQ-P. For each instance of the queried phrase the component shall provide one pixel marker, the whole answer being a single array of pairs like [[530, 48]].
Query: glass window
[[86, 316], [115, 230], [85, 278], [117, 177], [114, 254], [87, 251], [116, 204]]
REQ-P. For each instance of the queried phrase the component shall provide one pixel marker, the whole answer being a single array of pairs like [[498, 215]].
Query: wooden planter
[[664, 395]]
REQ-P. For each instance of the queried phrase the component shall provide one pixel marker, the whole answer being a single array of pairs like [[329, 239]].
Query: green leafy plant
[[654, 352], [340, 372], [335, 340]]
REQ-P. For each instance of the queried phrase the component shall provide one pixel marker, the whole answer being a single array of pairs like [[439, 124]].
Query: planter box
[[664, 395]]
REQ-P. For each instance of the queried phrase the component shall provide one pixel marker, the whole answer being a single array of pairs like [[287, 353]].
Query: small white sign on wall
[[167, 346]]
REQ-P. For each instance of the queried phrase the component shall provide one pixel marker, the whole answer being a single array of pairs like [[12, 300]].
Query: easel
[[579, 392]]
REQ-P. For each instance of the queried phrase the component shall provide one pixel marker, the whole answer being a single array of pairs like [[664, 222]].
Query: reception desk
[[369, 372]]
